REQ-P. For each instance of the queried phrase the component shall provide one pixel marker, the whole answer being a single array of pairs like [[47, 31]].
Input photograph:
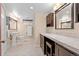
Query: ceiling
[[23, 9]]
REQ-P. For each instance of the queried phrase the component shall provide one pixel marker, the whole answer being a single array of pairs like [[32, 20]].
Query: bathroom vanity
[[58, 45]]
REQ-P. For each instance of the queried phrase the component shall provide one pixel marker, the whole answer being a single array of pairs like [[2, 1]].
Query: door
[[4, 31], [29, 30], [0, 29]]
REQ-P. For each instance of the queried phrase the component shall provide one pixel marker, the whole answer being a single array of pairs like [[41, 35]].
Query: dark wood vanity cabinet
[[50, 20], [51, 48]]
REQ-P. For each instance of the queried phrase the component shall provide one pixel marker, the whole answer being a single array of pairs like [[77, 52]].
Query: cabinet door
[[50, 20], [64, 52], [60, 51], [56, 50], [42, 42]]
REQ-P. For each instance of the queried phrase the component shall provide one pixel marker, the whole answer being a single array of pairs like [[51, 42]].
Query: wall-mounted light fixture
[[57, 5]]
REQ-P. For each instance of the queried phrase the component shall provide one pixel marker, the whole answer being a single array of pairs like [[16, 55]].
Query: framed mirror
[[12, 24], [64, 16]]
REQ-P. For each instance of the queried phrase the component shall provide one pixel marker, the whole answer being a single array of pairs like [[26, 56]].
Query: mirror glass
[[12, 24], [64, 17]]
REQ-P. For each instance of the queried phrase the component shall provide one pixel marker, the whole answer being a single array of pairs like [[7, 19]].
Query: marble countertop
[[67, 42]]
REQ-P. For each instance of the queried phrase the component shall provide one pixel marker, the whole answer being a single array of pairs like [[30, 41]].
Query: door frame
[[0, 29]]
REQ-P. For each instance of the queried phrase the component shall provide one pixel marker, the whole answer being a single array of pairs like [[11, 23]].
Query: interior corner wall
[[39, 26]]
